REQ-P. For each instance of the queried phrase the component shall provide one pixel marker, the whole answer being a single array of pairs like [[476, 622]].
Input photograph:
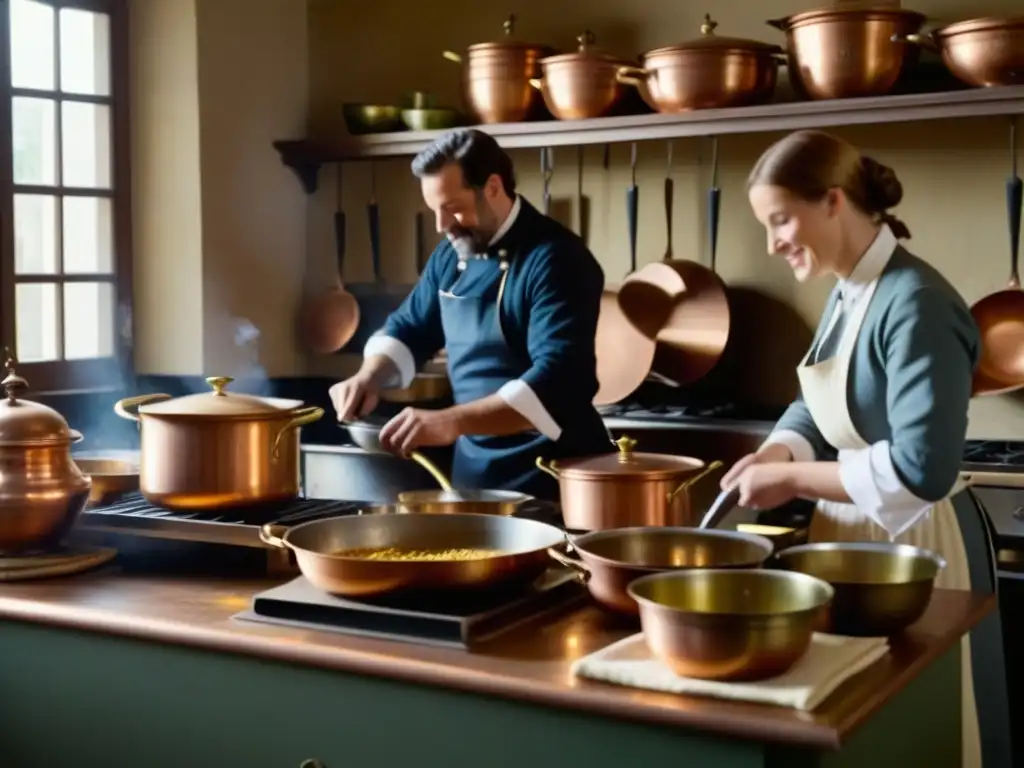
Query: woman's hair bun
[[881, 185]]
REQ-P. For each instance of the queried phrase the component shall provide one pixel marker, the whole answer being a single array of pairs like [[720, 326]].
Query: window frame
[[97, 373]]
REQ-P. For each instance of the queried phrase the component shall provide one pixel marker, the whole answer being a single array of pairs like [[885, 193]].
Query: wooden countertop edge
[[869, 706], [591, 697]]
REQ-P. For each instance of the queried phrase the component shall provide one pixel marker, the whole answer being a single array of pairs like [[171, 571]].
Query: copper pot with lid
[[627, 489], [42, 491], [496, 78], [837, 53], [709, 72], [581, 85], [218, 449], [982, 52]]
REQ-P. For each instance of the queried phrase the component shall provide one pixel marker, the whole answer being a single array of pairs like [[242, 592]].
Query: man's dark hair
[[475, 152]]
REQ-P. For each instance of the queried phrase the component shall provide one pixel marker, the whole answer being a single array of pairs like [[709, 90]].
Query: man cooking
[[513, 297]]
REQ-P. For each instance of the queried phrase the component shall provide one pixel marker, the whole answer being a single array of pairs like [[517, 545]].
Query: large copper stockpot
[[982, 52], [323, 551], [42, 491], [609, 561], [496, 78], [581, 85], [218, 449], [837, 53], [627, 489], [707, 73]]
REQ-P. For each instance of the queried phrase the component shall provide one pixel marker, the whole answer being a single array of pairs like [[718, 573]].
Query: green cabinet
[[81, 700]]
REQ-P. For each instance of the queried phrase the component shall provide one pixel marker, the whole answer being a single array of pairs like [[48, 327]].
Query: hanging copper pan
[[694, 335], [627, 327], [1000, 315]]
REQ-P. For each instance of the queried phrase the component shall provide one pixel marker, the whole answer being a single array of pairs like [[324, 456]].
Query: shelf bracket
[[306, 169]]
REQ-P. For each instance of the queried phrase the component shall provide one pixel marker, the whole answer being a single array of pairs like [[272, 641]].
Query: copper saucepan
[[334, 554], [610, 560], [982, 52], [1000, 315]]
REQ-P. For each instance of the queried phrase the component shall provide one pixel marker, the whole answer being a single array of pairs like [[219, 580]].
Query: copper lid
[[819, 15], [506, 43], [585, 52], [220, 403], [627, 464], [23, 422], [709, 41], [986, 24]]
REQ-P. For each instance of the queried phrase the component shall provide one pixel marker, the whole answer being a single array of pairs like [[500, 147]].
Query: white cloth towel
[[830, 661]]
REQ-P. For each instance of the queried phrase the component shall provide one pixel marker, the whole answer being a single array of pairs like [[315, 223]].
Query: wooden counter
[[86, 621]]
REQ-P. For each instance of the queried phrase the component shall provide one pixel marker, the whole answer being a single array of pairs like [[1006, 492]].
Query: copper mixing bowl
[[610, 560], [718, 624], [880, 588]]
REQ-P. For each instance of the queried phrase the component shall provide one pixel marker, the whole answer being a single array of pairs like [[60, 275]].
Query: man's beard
[[469, 242]]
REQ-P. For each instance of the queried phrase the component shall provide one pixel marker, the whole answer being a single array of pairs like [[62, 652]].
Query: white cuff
[[869, 478], [798, 445], [521, 398], [397, 353]]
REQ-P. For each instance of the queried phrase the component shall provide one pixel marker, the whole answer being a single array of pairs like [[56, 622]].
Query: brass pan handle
[[548, 468], [580, 572], [273, 535], [300, 418], [432, 468]]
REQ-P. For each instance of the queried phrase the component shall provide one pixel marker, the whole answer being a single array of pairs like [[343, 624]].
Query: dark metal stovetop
[[993, 456]]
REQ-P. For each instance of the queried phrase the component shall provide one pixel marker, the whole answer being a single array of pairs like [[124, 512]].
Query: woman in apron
[[877, 434]]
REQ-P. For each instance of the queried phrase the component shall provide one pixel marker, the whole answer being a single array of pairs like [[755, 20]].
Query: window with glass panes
[[66, 293]]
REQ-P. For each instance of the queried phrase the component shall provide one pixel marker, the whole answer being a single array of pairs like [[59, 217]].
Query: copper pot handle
[[579, 570], [693, 479], [128, 408], [925, 41], [634, 76], [548, 468], [300, 418], [537, 82], [452, 56], [273, 535], [432, 468]]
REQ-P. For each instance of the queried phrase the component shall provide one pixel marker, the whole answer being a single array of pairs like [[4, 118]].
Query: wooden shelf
[[307, 155]]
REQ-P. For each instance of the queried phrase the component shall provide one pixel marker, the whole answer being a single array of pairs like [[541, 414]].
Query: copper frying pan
[[627, 329], [1000, 315], [695, 333], [331, 320]]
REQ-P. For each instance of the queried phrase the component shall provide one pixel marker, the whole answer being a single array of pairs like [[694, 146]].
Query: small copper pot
[[496, 78], [707, 73], [627, 489], [839, 53], [42, 491], [981, 52], [611, 560], [214, 450], [581, 85]]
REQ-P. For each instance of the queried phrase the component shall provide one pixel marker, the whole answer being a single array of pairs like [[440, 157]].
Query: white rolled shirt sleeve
[[398, 353], [519, 396], [870, 480], [798, 445]]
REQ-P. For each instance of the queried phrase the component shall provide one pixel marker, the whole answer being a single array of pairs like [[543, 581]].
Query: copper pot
[[216, 449], [627, 489], [982, 52], [707, 73], [611, 560], [581, 85], [42, 491], [496, 78], [845, 53]]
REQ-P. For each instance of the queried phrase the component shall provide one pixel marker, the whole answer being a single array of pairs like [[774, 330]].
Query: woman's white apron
[[824, 389]]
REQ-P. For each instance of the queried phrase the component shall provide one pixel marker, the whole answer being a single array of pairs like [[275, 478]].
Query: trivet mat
[[62, 563], [830, 661], [452, 619]]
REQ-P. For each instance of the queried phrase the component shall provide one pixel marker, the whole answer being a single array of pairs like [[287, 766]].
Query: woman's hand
[[769, 454], [766, 486]]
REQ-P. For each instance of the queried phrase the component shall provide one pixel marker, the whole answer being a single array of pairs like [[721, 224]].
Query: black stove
[[654, 411], [994, 456]]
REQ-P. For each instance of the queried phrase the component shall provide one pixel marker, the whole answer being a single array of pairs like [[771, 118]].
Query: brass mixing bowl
[[880, 588], [435, 119], [722, 624], [372, 118]]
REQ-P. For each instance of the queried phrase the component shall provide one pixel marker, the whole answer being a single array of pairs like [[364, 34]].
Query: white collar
[[870, 266], [509, 221]]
